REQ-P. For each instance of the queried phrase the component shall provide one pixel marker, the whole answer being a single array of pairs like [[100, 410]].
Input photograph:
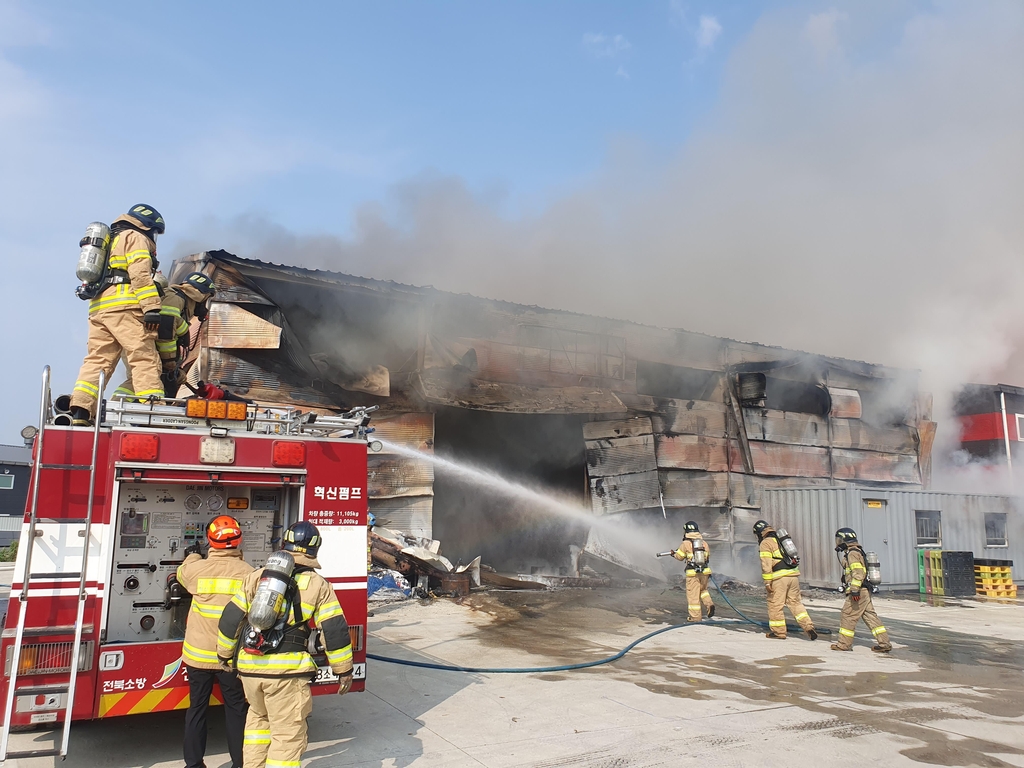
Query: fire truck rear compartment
[[155, 525]]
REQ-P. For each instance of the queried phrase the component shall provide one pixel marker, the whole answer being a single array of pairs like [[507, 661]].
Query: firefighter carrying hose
[[179, 304], [124, 314], [780, 572], [212, 581], [858, 596], [694, 552], [275, 611]]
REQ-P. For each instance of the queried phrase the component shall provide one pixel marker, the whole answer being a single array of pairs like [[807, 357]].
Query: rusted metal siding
[[390, 476], [620, 456], [710, 454], [693, 488], [231, 327], [875, 467], [785, 427], [613, 428], [845, 403], [413, 515], [412, 430], [690, 417], [624, 492], [253, 382]]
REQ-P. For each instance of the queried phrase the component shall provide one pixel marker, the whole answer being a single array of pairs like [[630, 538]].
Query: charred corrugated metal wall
[[659, 416]]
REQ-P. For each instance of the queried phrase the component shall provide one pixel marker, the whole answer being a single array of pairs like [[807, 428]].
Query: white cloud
[[621, 73], [707, 32], [820, 30], [605, 46]]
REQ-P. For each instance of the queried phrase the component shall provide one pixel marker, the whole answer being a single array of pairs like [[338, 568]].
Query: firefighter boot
[[881, 649], [812, 634], [838, 647], [773, 636], [80, 417]]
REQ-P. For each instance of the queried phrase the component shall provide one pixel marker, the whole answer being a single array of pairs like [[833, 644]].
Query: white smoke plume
[[852, 193]]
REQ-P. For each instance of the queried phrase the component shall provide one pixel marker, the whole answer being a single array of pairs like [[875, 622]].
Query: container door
[[874, 533]]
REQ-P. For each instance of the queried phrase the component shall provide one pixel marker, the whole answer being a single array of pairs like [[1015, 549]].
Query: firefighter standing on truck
[[694, 552], [124, 316], [858, 603], [212, 582], [275, 665], [179, 304], [780, 574]]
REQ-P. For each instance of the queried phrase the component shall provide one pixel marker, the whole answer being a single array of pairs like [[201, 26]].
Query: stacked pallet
[[947, 573], [993, 578]]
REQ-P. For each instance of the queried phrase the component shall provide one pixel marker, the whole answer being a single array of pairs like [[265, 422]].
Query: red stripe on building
[[986, 426]]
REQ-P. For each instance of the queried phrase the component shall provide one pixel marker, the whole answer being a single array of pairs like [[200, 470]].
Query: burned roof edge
[[339, 278]]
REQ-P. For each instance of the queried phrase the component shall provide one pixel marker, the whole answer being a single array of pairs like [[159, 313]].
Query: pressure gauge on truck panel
[[193, 502], [215, 502]]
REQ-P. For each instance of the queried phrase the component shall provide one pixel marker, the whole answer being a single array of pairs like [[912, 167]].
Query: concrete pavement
[[951, 694]]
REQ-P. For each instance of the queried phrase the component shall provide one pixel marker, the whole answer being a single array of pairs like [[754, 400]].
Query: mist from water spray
[[498, 484]]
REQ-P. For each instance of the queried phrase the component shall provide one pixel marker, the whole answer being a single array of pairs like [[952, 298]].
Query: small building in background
[[15, 461], [991, 422]]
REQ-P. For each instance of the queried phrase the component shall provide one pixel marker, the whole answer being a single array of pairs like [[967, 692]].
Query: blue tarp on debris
[[385, 583]]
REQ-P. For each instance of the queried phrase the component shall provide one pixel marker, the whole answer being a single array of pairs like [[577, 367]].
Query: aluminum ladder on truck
[[64, 688]]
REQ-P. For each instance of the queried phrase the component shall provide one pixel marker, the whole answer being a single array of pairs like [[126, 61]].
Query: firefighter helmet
[[201, 283], [760, 527], [224, 532], [302, 537], [844, 538], [691, 527], [148, 216]]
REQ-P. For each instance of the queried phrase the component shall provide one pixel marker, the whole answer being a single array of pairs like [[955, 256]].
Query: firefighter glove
[[345, 684], [152, 319], [769, 587], [225, 664]]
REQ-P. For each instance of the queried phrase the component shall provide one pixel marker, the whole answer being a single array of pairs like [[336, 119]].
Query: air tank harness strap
[[295, 636]]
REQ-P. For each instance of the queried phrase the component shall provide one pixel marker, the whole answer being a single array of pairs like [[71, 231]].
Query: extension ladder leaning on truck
[[95, 618]]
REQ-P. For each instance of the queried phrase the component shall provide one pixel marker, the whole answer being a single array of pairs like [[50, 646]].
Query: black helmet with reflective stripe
[[691, 527], [202, 283], [148, 216], [302, 537], [844, 538], [760, 527]]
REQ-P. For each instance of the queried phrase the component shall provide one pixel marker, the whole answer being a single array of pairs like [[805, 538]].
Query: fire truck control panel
[[155, 528]]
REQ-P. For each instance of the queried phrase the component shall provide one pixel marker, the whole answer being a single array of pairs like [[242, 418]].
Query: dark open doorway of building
[[543, 452]]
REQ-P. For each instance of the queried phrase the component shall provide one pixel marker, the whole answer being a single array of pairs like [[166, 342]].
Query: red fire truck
[[96, 619]]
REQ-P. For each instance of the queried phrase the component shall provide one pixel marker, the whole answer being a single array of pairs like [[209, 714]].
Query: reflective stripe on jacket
[[320, 608], [854, 570], [685, 553], [131, 252], [212, 583], [772, 565]]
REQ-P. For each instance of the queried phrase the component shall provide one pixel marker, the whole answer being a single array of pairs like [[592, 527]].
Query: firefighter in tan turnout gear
[[124, 314], [212, 581], [780, 574], [858, 595], [274, 662], [693, 550], [179, 304]]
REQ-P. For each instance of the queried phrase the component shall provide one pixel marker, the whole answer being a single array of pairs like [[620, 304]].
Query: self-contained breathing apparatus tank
[[700, 554], [269, 604], [92, 259], [790, 555], [874, 570]]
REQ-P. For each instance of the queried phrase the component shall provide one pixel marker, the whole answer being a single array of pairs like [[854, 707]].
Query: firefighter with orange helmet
[[274, 663], [212, 581], [694, 552]]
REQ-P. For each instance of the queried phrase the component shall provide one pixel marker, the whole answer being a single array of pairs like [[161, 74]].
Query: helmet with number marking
[[302, 537]]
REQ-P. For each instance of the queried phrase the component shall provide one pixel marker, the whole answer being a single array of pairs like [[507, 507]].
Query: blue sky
[[617, 158]]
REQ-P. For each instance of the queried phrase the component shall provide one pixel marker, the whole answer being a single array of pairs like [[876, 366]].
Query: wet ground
[[719, 693]]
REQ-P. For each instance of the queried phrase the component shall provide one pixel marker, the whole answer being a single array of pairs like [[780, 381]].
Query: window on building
[[6, 482], [929, 527], [1020, 426], [995, 529]]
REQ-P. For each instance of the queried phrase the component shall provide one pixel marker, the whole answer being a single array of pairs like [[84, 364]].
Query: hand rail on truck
[[69, 689]]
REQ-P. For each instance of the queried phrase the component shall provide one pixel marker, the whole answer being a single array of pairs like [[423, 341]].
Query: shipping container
[[895, 525]]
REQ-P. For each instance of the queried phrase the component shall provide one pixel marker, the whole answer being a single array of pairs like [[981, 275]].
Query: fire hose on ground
[[744, 619]]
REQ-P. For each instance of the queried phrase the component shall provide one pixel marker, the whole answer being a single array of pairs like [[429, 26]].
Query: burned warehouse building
[[651, 425]]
